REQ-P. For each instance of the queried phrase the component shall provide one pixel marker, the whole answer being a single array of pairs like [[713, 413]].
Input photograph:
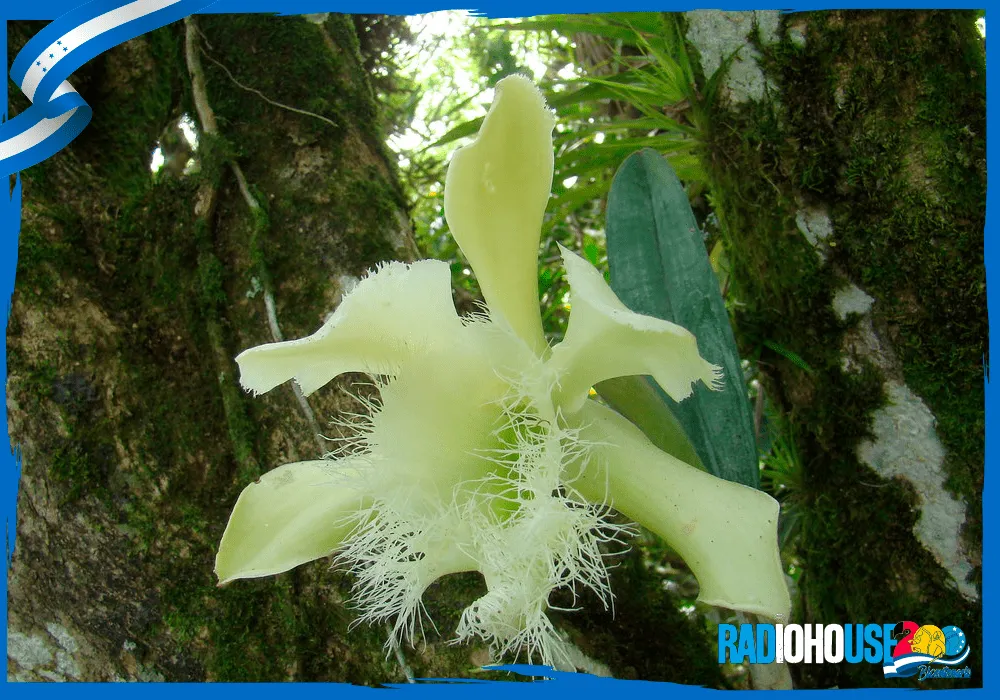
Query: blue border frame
[[560, 683]]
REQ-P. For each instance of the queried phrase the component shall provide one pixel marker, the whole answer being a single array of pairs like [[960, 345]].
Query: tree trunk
[[848, 167], [133, 295]]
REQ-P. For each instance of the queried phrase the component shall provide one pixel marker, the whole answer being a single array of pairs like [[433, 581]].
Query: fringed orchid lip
[[484, 452]]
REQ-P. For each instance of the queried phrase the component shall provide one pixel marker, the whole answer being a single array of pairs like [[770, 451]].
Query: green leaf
[[609, 88], [640, 22], [646, 124], [641, 400], [659, 267], [463, 130], [789, 355], [637, 93]]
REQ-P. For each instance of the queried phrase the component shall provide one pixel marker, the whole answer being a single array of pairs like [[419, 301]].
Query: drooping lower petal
[[292, 515], [494, 199], [726, 532], [393, 313], [605, 339]]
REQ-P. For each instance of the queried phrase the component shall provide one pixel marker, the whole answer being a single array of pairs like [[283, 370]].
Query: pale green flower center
[[468, 475]]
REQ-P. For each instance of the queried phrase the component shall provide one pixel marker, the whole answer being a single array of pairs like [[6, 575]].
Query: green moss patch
[[880, 117]]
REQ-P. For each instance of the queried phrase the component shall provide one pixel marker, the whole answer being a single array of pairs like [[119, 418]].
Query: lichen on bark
[[864, 165]]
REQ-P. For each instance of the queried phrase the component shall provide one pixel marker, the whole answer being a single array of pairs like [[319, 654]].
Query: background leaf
[[659, 267], [640, 399]]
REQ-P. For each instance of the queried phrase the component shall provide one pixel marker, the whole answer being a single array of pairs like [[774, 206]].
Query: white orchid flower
[[484, 452]]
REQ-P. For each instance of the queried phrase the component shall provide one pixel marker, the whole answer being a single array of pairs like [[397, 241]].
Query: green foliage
[[494, 55], [643, 402], [783, 476], [640, 66], [659, 267]]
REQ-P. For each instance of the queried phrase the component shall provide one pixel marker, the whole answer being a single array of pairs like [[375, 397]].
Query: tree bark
[[848, 173], [133, 295]]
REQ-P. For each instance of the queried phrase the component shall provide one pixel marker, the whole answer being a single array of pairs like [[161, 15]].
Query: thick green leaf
[[640, 400], [659, 267]]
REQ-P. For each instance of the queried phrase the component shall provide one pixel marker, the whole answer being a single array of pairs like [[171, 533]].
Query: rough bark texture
[[848, 166], [131, 301], [133, 295]]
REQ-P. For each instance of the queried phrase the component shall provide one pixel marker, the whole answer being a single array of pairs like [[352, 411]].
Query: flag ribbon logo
[[57, 113], [908, 664]]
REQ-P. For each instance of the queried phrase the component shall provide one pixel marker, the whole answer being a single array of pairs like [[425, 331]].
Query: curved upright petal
[[395, 311], [605, 339], [726, 532], [292, 515], [494, 199]]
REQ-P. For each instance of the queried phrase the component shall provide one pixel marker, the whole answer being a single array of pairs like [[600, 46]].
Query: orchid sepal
[[292, 515]]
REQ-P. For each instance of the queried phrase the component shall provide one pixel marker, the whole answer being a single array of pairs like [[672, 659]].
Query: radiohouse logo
[[928, 651], [903, 649]]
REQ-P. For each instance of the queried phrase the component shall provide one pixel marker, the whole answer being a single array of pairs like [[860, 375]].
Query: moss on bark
[[125, 301], [880, 118]]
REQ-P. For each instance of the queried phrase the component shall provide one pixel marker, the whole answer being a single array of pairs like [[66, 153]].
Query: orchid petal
[[726, 532], [393, 313], [292, 515], [494, 199], [605, 339]]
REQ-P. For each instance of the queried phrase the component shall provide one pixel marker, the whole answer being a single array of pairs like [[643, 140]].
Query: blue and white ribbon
[[58, 113], [908, 664]]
